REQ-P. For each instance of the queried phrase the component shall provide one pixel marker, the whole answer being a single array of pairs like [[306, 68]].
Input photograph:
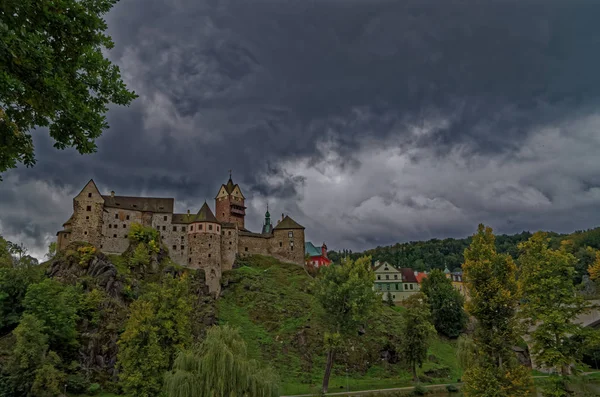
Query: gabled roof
[[230, 186], [145, 204], [408, 275], [91, 181], [205, 215], [68, 222], [288, 223], [311, 250], [383, 264]]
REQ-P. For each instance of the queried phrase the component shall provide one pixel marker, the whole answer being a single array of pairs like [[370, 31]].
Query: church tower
[[267, 226], [229, 204]]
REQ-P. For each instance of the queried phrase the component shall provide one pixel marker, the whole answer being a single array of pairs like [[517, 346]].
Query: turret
[[267, 226], [229, 204]]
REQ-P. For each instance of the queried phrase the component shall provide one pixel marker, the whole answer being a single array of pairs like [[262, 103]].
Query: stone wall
[[87, 221], [229, 247], [253, 245], [205, 253], [288, 248], [115, 229]]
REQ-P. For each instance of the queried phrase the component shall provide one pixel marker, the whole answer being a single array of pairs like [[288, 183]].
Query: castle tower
[[204, 241], [229, 204], [86, 221]]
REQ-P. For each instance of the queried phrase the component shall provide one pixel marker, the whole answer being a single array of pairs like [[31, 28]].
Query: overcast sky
[[370, 122]]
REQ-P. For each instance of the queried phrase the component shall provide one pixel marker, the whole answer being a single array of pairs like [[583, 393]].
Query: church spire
[[267, 226]]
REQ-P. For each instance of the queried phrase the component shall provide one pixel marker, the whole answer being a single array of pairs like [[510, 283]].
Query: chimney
[[112, 193], [188, 212], [282, 216], [278, 220]]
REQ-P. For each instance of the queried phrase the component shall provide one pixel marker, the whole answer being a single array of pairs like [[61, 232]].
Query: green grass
[[283, 326]]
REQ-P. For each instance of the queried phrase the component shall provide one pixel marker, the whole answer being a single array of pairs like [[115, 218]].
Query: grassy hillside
[[271, 303]]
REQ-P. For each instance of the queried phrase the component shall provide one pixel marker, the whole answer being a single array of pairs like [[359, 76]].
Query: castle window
[[199, 227], [88, 208], [230, 243], [85, 233], [124, 226], [191, 228], [114, 235], [291, 243], [230, 232], [165, 217], [281, 243], [110, 226], [157, 227], [127, 217], [223, 214], [189, 260], [183, 228], [209, 255], [89, 194], [87, 217], [194, 236], [209, 227], [208, 245], [116, 216], [101, 246], [292, 248], [182, 247], [114, 226], [161, 208], [174, 228], [174, 247], [290, 234], [218, 228], [135, 206], [164, 228], [246, 249]]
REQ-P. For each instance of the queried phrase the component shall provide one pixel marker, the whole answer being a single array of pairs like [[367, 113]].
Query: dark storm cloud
[[268, 88]]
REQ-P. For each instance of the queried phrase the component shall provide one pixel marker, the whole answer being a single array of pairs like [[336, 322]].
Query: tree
[[390, 300], [490, 279], [219, 367], [158, 327], [594, 268], [56, 306], [346, 294], [53, 73], [14, 282], [28, 355], [446, 302], [550, 304], [417, 331], [51, 250], [6, 259]]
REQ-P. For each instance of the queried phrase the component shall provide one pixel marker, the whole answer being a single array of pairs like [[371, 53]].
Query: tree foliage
[[220, 367], [491, 280], [158, 327], [14, 282], [550, 303], [56, 305], [417, 331], [346, 294], [446, 303], [53, 73]]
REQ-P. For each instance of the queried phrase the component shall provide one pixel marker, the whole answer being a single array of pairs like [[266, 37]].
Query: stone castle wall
[[229, 247], [87, 221]]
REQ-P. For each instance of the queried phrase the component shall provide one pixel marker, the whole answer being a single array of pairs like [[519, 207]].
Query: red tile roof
[[421, 276], [408, 275]]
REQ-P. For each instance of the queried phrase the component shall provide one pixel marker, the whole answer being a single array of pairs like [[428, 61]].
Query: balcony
[[238, 210]]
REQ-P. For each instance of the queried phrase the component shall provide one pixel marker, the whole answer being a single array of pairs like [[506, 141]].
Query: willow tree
[[219, 367], [491, 281], [347, 296], [54, 73], [550, 306]]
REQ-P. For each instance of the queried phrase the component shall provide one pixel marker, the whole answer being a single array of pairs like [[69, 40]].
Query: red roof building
[[316, 256]]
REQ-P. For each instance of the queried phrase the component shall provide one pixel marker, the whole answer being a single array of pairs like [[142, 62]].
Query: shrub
[[142, 234], [420, 390], [86, 253], [93, 389], [452, 389], [77, 383]]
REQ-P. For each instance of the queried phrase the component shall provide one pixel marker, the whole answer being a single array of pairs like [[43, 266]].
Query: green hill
[[438, 253], [280, 321]]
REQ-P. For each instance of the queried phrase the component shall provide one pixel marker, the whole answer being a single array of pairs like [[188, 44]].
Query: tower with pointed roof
[[267, 226], [229, 204]]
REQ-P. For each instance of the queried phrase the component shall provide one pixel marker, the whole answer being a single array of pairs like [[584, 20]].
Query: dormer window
[[89, 194]]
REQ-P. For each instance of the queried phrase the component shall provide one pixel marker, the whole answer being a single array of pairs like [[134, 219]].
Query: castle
[[202, 240]]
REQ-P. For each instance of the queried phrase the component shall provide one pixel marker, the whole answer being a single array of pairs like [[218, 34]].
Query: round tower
[[204, 242]]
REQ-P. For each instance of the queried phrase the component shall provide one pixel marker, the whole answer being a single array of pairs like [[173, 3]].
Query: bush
[[77, 384], [452, 389], [420, 390], [93, 389]]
